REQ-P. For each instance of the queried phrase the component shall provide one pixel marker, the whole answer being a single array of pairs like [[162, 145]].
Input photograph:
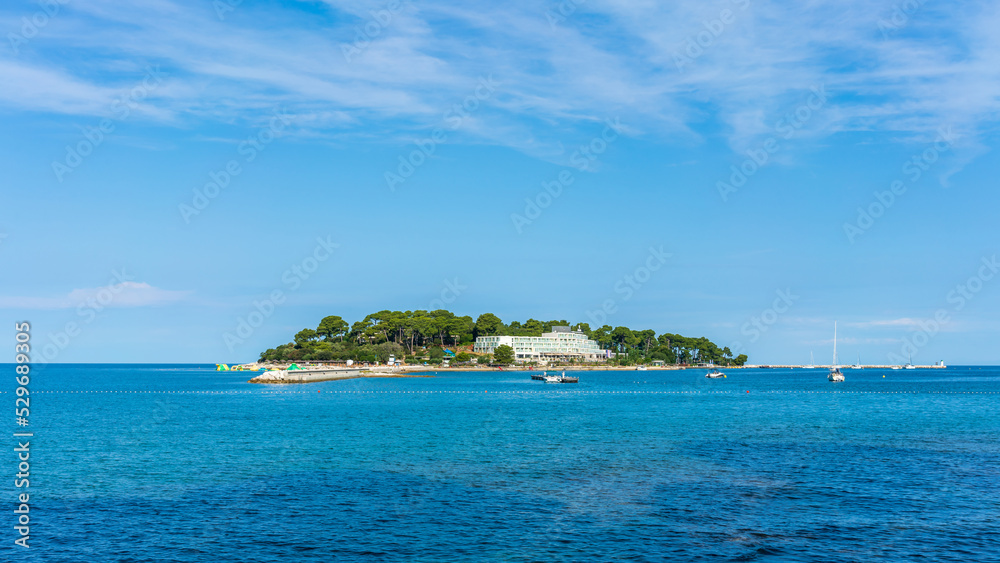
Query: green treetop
[[503, 355]]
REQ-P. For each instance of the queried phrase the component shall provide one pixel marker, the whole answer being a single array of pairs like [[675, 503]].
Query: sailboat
[[909, 362], [835, 375], [812, 362], [858, 365]]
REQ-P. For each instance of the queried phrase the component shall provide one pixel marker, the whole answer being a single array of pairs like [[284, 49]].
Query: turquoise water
[[183, 463]]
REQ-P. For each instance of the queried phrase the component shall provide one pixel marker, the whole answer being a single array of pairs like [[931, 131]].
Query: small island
[[408, 339]]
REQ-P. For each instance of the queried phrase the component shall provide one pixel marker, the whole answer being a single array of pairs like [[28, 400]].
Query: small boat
[[812, 364], [909, 363], [715, 374], [538, 376], [835, 374], [562, 378], [640, 368]]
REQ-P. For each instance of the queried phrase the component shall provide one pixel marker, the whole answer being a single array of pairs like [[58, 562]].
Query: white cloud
[[124, 294]]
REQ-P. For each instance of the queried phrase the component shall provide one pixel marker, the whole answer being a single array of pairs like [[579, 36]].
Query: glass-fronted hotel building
[[561, 344]]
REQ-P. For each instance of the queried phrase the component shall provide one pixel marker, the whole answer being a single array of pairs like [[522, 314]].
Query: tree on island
[[503, 355], [488, 324], [332, 327], [305, 335], [602, 336], [624, 338]]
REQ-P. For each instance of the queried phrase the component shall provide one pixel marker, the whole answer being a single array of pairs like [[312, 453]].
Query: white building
[[560, 344]]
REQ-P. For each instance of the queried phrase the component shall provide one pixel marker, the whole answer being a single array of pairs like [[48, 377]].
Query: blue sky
[[526, 159]]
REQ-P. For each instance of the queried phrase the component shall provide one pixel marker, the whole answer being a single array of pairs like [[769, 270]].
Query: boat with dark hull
[[562, 378]]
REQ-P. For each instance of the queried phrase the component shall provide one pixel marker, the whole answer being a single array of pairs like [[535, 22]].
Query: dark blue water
[[183, 463]]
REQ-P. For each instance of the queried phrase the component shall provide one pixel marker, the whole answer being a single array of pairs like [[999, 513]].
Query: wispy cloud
[[124, 294], [604, 59], [886, 323], [851, 341]]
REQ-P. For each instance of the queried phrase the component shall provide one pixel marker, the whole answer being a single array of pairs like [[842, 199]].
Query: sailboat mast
[[834, 343]]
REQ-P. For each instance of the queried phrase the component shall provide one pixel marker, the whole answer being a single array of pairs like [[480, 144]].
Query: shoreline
[[313, 374], [331, 374]]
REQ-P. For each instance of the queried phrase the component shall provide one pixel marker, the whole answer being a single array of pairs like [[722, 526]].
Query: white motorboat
[[715, 374], [835, 374], [553, 379]]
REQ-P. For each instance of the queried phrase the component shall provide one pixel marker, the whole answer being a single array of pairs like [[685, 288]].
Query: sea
[[183, 463]]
